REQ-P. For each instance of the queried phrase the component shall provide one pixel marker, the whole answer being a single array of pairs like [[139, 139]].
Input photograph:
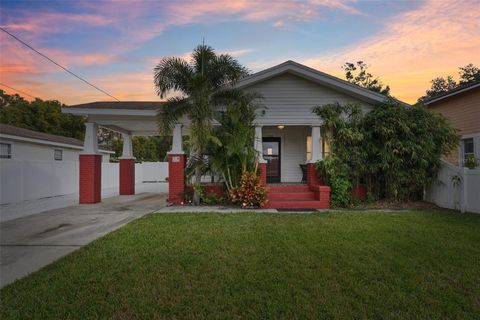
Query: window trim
[[55, 154], [11, 150]]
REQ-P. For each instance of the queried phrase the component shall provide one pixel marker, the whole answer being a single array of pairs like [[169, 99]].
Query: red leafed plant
[[250, 193]]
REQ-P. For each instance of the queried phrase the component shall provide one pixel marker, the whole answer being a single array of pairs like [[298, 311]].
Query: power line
[[20, 91], [55, 63]]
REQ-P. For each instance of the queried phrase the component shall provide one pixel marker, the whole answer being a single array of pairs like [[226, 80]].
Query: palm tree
[[200, 85]]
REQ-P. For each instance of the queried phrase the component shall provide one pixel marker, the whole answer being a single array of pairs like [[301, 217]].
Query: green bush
[[335, 173], [393, 149]]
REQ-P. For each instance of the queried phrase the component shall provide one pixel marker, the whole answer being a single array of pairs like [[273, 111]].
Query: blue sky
[[115, 44]]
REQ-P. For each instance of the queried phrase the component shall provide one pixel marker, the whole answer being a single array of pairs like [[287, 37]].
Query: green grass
[[326, 265]]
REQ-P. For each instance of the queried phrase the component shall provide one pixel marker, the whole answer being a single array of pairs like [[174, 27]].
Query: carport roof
[[129, 117], [134, 105]]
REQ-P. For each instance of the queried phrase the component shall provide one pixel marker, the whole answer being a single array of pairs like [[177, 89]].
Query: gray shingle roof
[[26, 133], [138, 105]]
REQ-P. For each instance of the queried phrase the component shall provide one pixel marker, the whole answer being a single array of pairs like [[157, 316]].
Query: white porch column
[[177, 140], [258, 144], [316, 144], [90, 144], [127, 152]]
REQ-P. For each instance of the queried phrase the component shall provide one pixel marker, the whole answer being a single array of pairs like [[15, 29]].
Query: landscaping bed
[[417, 264]]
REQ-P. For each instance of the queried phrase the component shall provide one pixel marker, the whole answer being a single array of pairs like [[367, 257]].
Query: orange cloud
[[415, 47]]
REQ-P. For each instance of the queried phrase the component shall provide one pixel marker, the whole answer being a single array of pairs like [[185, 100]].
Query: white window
[[58, 154], [5, 151], [468, 149], [309, 148]]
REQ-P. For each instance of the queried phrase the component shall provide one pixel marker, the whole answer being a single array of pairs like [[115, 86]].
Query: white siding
[[293, 150], [23, 150], [289, 100]]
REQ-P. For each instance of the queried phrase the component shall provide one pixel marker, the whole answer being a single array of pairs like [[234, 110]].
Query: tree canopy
[[467, 74], [39, 115], [357, 73]]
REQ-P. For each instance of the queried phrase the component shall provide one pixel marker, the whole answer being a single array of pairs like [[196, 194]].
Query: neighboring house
[[288, 134], [40, 171], [461, 106], [24, 144]]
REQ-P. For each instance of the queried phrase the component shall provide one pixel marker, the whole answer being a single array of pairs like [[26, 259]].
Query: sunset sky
[[116, 44]]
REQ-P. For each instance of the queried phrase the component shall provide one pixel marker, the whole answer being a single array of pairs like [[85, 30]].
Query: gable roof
[[314, 75], [133, 105], [453, 92]]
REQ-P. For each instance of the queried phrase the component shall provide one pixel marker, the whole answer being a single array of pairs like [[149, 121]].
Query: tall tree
[[441, 85], [39, 115], [197, 84], [357, 73], [467, 74]]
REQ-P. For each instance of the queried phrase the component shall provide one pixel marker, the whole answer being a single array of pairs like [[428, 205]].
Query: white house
[[287, 132]]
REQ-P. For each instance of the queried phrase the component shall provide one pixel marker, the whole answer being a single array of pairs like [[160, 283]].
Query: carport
[[134, 118]]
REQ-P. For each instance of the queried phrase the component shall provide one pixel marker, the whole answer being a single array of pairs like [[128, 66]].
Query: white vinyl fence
[[28, 187], [456, 188]]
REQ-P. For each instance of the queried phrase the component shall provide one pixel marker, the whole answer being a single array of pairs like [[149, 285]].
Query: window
[[468, 149], [309, 148], [5, 151], [326, 148], [58, 154]]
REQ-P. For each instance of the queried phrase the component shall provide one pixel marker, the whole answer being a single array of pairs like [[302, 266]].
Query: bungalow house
[[461, 106], [288, 134]]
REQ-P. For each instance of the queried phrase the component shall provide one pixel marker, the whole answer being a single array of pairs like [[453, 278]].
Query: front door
[[271, 153]]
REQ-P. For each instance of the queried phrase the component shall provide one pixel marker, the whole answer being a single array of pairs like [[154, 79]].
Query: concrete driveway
[[30, 243]]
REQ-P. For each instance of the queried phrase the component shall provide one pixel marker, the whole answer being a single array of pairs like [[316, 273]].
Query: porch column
[[127, 167], [90, 162], [176, 168], [262, 164], [316, 147]]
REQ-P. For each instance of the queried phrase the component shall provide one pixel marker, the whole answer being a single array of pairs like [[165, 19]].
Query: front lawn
[[324, 265]]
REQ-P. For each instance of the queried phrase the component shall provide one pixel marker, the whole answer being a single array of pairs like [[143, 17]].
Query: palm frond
[[226, 69], [172, 110], [172, 74]]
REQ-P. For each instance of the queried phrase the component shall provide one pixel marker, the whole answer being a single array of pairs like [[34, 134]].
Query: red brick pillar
[[127, 176], [262, 167], [312, 177], [176, 178], [90, 178]]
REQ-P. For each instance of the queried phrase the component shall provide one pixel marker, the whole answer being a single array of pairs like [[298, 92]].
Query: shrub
[[394, 149], [335, 173], [250, 193]]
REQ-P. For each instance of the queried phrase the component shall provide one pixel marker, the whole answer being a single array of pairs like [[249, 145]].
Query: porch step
[[301, 195], [288, 188], [293, 197], [305, 204]]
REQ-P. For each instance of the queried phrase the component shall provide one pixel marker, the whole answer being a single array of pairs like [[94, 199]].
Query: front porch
[[287, 155]]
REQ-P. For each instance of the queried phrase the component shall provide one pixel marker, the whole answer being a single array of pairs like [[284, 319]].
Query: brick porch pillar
[[90, 167], [176, 168], [262, 166], [127, 167]]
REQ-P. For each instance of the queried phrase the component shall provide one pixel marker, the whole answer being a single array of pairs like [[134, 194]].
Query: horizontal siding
[[462, 111], [289, 99]]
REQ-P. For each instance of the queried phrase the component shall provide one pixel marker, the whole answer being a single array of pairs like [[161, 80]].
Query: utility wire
[[55, 63], [20, 91]]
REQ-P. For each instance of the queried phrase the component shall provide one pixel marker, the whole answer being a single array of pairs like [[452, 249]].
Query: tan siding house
[[461, 106]]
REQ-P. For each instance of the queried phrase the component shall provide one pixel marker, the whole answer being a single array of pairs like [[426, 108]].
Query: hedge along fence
[[394, 149]]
